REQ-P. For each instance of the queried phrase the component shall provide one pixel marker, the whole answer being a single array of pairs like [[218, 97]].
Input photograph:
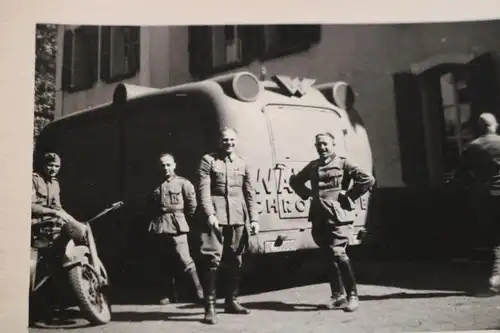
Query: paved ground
[[396, 297]]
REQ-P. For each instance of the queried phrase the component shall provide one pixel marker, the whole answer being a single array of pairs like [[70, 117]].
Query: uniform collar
[[171, 178], [47, 178], [329, 160], [228, 158]]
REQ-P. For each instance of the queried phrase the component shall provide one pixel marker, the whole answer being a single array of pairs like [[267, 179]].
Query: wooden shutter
[[105, 74], [92, 41], [200, 51], [67, 59], [253, 42], [136, 36], [410, 124], [482, 85], [312, 33]]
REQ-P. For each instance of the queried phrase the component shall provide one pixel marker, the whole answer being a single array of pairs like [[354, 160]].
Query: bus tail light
[[339, 93], [243, 86]]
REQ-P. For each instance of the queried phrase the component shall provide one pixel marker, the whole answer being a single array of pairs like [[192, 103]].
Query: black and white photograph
[[266, 178]]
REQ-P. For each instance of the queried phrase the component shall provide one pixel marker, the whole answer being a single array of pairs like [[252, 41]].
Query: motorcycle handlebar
[[114, 206]]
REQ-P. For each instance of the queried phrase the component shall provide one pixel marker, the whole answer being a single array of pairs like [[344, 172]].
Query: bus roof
[[211, 87]]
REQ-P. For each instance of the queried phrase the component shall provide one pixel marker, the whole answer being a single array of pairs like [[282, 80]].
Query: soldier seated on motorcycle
[[47, 211], [46, 202]]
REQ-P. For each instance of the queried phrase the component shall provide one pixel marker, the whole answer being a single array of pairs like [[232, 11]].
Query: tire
[[93, 303]]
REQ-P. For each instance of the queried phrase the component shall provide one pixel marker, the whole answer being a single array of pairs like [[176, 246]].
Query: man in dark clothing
[[228, 202], [480, 169], [332, 214], [172, 204]]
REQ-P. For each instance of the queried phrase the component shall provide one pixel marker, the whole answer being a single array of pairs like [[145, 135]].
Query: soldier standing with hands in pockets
[[172, 204], [228, 203]]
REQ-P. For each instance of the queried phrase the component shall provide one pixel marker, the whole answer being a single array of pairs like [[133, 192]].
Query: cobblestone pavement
[[395, 297]]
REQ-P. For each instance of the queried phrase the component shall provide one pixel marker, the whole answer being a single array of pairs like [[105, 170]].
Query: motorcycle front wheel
[[92, 301]]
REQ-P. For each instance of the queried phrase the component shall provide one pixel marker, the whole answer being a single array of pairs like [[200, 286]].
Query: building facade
[[418, 88], [94, 59]]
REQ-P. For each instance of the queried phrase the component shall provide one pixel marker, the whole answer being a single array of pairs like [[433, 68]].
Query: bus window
[[292, 132], [293, 129]]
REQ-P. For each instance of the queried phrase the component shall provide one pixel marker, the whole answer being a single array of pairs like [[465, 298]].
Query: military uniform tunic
[[173, 200], [172, 203], [226, 191], [331, 219], [45, 194]]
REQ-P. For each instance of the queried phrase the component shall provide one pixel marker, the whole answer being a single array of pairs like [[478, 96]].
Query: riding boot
[[338, 298], [172, 297], [350, 284], [210, 296], [232, 305], [192, 275]]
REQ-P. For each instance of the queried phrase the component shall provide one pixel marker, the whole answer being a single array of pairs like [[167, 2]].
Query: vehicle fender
[[75, 255]]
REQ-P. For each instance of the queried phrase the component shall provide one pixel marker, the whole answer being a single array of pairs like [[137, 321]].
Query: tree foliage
[[45, 76]]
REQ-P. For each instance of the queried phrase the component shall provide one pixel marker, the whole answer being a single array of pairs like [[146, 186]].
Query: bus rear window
[[293, 129]]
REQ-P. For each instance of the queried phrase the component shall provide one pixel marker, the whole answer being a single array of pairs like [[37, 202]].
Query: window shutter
[[136, 36], [105, 53], [200, 51], [410, 124], [67, 59], [92, 38], [483, 85], [253, 42], [313, 34]]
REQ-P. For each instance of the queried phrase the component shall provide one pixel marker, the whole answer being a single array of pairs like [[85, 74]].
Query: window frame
[[80, 34], [106, 42], [253, 48]]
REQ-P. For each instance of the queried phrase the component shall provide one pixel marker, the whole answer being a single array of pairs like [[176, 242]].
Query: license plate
[[287, 245]]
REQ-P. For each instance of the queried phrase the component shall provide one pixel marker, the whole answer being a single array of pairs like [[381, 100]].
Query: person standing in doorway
[[173, 204], [480, 169], [228, 202], [332, 213]]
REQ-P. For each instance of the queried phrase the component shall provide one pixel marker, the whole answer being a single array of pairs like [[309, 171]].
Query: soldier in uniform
[[480, 168], [228, 203], [172, 204], [332, 214], [45, 199], [46, 207]]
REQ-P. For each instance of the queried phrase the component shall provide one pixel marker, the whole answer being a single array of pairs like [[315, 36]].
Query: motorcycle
[[69, 252]]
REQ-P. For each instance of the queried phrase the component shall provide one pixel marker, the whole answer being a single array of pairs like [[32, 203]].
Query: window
[[282, 39], [227, 45], [287, 121], [437, 107], [120, 52], [219, 48], [80, 58], [458, 127]]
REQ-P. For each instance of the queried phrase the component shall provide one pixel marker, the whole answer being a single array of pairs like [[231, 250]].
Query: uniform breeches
[[228, 243], [333, 241], [175, 247]]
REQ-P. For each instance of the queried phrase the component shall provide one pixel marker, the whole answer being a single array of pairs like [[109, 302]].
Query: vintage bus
[[111, 152]]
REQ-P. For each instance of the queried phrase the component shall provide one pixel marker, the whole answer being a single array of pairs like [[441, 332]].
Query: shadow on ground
[[294, 270]]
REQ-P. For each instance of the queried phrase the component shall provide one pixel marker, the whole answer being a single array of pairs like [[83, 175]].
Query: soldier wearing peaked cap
[[332, 214]]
